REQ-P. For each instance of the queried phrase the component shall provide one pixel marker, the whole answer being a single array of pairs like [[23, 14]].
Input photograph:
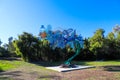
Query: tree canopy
[[97, 47]]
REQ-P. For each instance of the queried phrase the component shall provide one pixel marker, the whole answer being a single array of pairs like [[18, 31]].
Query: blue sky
[[17, 16]]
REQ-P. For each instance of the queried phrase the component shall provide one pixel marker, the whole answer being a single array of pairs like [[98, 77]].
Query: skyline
[[17, 16]]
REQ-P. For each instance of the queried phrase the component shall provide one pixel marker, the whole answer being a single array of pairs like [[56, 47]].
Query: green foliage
[[7, 50], [17, 50], [110, 46], [24, 46], [11, 48], [97, 43], [118, 45], [97, 40], [95, 48], [4, 52], [30, 48]]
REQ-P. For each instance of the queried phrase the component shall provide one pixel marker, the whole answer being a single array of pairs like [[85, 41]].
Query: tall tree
[[116, 30], [27, 46], [110, 46], [118, 45], [23, 45], [97, 43]]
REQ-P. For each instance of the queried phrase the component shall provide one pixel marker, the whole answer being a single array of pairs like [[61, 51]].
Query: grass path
[[29, 71]]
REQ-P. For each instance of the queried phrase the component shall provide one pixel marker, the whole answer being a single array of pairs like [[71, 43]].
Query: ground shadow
[[5, 78], [11, 73], [50, 77], [1, 70], [46, 64], [111, 68], [10, 58], [49, 64]]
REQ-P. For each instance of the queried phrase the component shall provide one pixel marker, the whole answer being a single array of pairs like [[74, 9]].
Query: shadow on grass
[[5, 78], [49, 64], [11, 73], [49, 77], [8, 75], [10, 58], [1, 70], [46, 64], [111, 68]]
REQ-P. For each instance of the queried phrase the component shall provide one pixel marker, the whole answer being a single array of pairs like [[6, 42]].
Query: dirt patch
[[10, 58], [89, 74]]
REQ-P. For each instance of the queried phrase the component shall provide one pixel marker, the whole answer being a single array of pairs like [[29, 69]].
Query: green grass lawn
[[99, 63], [39, 66], [7, 65]]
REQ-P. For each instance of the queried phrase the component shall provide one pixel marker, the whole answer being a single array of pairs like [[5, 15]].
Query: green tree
[[3, 51], [118, 45], [110, 46], [88, 55], [5, 46], [24, 46], [31, 48], [116, 30], [97, 43], [11, 48]]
